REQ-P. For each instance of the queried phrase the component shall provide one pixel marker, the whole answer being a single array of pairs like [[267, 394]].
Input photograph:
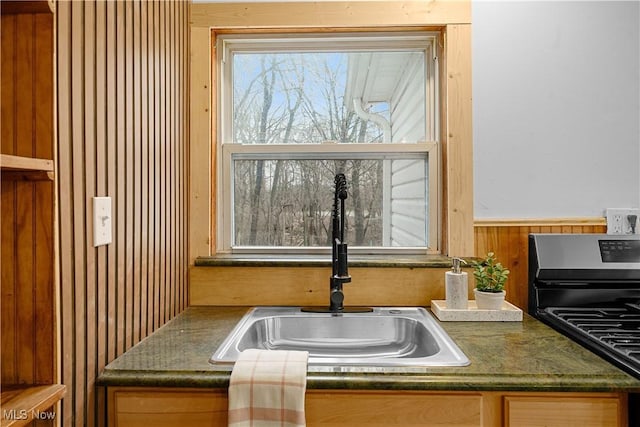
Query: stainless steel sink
[[388, 336]]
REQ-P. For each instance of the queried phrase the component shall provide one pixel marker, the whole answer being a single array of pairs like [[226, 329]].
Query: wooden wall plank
[[90, 129], [171, 42], [509, 240], [45, 295], [8, 261], [78, 76], [25, 221], [146, 277], [340, 14], [8, 87], [183, 95], [65, 206], [151, 304], [101, 190], [8, 307], [111, 138], [157, 174], [129, 171], [121, 134], [90, 124], [43, 86], [121, 237], [101, 177], [23, 102], [162, 176], [137, 177]]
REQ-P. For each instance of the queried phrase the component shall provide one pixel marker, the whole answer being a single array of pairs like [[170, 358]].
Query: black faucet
[[339, 264], [340, 270]]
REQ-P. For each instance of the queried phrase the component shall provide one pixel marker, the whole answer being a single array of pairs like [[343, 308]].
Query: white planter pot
[[489, 300]]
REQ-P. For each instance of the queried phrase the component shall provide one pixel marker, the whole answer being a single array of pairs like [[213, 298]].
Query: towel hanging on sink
[[267, 389]]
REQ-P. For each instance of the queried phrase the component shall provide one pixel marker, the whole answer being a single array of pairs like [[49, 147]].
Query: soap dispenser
[[456, 288]]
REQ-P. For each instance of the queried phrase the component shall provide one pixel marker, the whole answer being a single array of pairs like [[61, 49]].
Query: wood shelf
[[25, 168], [23, 404], [12, 7]]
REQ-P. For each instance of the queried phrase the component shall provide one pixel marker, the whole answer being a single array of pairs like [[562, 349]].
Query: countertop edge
[[220, 380]]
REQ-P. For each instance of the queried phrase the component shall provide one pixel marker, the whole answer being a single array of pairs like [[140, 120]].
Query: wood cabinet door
[[557, 411], [389, 409], [167, 408]]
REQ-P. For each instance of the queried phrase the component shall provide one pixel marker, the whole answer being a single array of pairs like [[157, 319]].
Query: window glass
[[297, 109], [315, 97], [285, 203]]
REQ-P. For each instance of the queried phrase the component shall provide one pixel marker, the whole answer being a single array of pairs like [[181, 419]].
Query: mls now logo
[[23, 414]]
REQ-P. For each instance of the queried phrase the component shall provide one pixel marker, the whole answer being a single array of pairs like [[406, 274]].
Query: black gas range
[[587, 286]]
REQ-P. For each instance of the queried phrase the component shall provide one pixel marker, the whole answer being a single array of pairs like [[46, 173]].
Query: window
[[297, 109]]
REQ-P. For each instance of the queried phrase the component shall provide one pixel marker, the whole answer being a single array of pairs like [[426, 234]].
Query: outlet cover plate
[[102, 219], [618, 220]]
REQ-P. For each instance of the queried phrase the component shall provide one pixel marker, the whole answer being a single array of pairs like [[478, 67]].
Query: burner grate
[[616, 329]]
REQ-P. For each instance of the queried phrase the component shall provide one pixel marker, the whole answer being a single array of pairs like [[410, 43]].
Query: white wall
[[556, 108]]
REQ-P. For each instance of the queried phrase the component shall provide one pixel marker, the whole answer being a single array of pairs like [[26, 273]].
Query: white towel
[[267, 389]]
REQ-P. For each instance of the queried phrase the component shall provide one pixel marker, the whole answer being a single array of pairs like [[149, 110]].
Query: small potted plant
[[491, 277]]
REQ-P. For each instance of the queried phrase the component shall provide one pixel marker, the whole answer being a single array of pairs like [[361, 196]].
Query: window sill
[[381, 261]]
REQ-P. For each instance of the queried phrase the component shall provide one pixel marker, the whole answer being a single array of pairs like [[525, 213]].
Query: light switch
[[102, 219]]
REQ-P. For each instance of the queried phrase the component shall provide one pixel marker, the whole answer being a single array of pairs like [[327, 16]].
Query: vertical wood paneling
[[509, 241], [77, 170], [65, 205], [118, 193], [182, 131], [27, 288], [157, 167], [128, 143], [137, 163], [121, 82], [25, 305], [7, 257], [44, 293], [90, 125], [160, 161], [101, 177], [146, 275], [101, 190]]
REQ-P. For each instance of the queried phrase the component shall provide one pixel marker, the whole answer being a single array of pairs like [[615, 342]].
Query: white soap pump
[[456, 288]]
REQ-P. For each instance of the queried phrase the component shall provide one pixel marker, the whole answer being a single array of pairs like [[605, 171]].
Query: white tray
[[509, 313]]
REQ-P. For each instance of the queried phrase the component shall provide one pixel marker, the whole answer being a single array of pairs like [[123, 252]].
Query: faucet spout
[[339, 261]]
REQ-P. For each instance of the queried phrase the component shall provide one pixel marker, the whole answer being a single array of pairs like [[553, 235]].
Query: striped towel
[[267, 389]]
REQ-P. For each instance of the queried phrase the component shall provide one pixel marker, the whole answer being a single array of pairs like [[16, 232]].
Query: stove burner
[[587, 286], [616, 329]]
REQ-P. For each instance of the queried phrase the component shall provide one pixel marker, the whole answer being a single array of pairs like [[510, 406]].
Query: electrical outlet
[[619, 221]]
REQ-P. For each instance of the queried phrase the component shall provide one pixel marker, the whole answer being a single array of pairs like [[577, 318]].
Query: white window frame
[[310, 42]]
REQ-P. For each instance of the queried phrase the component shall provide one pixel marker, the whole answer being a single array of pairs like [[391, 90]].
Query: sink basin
[[388, 336]]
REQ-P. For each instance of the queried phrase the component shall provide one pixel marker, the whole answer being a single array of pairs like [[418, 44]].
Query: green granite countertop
[[524, 356]]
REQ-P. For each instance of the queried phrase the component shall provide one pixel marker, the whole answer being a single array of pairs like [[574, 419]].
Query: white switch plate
[[102, 221], [618, 221]]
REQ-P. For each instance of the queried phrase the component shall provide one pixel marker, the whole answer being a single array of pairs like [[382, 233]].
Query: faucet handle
[[336, 300]]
